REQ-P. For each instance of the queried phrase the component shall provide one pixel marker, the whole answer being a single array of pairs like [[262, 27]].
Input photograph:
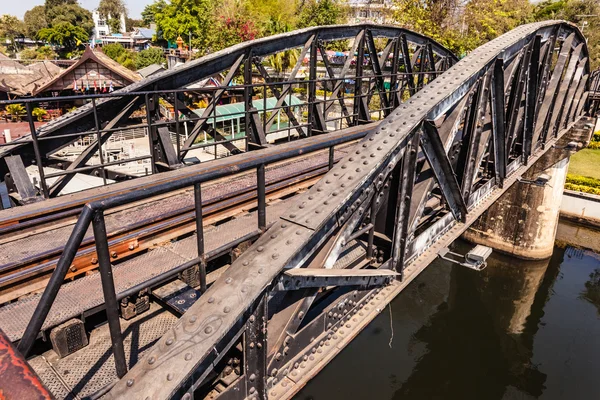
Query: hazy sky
[[19, 7]]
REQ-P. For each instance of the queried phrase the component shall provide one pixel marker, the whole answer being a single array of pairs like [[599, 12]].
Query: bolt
[[73, 268], [113, 254]]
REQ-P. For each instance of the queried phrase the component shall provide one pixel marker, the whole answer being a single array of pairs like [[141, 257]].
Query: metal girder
[[20, 180], [190, 348], [303, 278], [82, 120], [444, 174], [95, 145], [233, 71], [498, 120]]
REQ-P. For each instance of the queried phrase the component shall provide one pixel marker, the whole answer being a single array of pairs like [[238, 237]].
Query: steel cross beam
[[356, 183]]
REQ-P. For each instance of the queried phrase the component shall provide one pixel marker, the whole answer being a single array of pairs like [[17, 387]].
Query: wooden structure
[[95, 72]]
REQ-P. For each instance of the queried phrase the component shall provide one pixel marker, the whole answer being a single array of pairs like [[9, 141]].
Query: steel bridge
[[244, 276]]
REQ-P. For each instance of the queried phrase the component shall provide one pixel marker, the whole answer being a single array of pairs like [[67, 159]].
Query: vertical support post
[[248, 90], [110, 296], [395, 97], [150, 140], [262, 202], [255, 351], [372, 219], [531, 98], [177, 125], [358, 79], [36, 149], [407, 65], [331, 156], [498, 121], [200, 235], [99, 140], [312, 85], [405, 190]]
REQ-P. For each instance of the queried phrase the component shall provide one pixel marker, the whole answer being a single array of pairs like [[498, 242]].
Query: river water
[[517, 330]]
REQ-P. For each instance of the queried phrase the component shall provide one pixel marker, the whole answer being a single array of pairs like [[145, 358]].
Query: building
[[18, 80], [101, 27], [376, 11], [94, 72]]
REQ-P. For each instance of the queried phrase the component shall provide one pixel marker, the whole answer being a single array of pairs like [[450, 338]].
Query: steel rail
[[183, 357]]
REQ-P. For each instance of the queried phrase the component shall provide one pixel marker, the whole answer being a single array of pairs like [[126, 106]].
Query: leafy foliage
[[16, 111], [11, 28], [150, 11], [35, 21], [112, 10], [39, 113], [320, 12], [64, 34], [148, 57]]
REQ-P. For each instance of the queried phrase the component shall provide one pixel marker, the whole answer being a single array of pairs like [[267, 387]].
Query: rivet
[[246, 263], [260, 249], [208, 329], [228, 280], [130, 382], [188, 356], [169, 342], [211, 299], [252, 377], [193, 319], [169, 377], [273, 236], [226, 309], [298, 232], [151, 360], [292, 215], [275, 256]]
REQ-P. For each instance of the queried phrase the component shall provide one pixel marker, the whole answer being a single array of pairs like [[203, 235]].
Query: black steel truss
[[244, 63], [414, 183]]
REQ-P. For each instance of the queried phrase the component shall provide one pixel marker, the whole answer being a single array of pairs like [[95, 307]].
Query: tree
[[16, 111], [153, 55], [112, 10], [11, 28], [320, 12], [73, 14], [39, 113], [65, 35], [150, 11], [120, 54], [35, 21], [114, 50], [49, 4], [181, 17], [131, 23], [231, 31]]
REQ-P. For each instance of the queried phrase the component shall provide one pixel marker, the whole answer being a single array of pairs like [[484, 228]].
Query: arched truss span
[[417, 181], [415, 59]]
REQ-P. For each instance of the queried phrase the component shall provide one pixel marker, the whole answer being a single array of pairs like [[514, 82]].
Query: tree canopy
[[112, 10]]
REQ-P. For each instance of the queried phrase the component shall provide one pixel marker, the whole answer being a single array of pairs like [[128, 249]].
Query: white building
[[375, 11], [101, 27]]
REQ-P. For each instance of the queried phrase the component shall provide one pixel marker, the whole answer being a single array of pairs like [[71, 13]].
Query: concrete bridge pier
[[523, 221]]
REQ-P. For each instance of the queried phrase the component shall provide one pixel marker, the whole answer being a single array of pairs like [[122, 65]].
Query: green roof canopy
[[228, 112]]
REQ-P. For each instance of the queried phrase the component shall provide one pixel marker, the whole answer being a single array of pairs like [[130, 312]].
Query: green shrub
[[583, 181], [581, 188]]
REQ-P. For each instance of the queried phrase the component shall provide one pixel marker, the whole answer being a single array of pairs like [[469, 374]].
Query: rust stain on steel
[[17, 379]]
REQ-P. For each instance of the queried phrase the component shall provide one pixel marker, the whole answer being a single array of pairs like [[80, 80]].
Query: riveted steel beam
[[313, 220]]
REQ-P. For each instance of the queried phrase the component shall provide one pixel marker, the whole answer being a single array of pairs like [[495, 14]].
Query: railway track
[[29, 257]]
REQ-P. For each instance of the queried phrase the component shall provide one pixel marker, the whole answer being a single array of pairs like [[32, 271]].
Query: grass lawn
[[586, 162]]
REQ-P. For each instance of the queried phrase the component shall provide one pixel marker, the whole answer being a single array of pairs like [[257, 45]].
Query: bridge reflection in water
[[516, 330]]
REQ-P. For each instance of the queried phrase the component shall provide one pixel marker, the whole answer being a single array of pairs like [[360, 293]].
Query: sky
[[19, 8]]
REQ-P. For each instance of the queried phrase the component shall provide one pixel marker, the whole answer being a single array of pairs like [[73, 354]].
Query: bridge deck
[[18, 252]]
